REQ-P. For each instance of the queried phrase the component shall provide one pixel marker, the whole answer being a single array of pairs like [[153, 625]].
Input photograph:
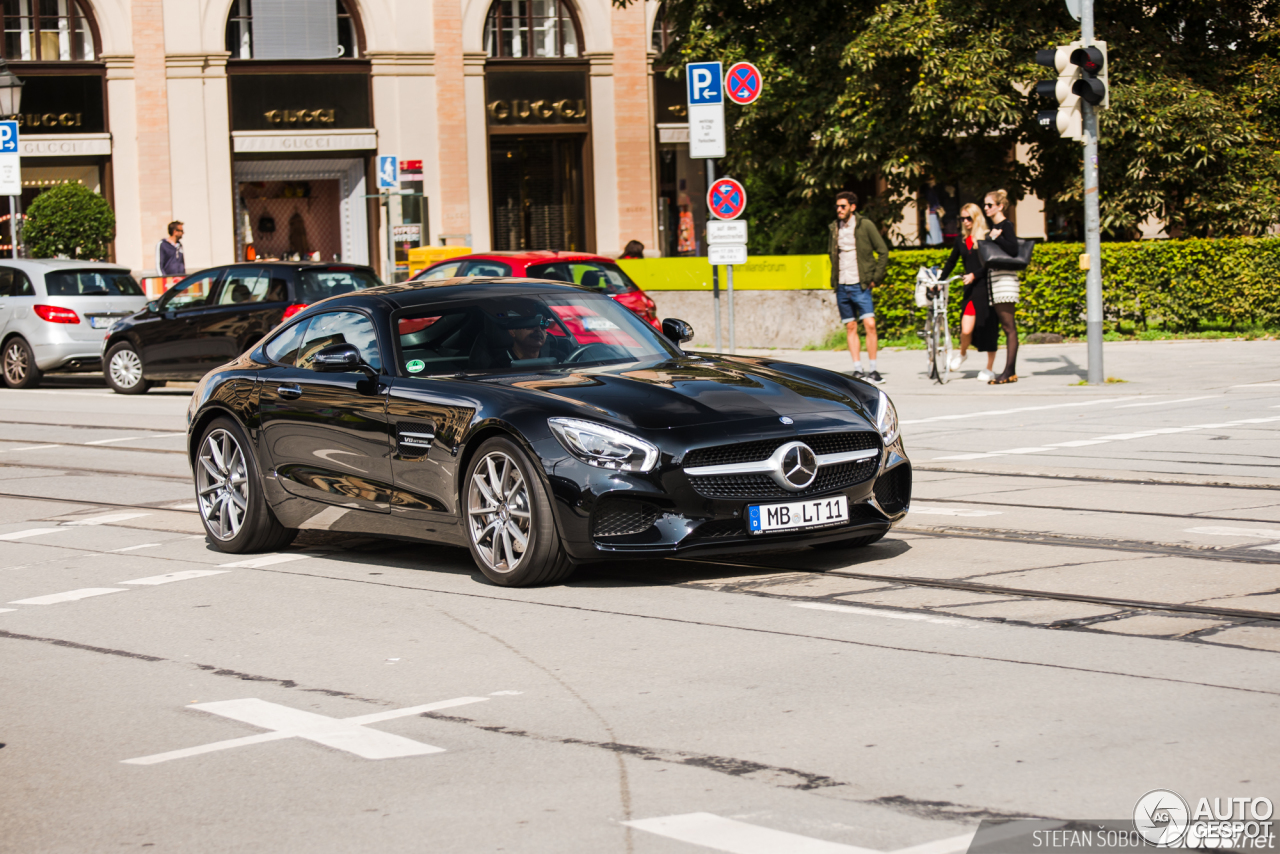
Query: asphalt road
[[1083, 605]]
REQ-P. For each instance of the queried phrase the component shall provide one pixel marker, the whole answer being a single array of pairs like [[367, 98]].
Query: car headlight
[[604, 446], [887, 419]]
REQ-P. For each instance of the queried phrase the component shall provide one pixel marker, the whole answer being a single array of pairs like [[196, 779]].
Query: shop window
[[291, 29], [531, 29], [46, 31]]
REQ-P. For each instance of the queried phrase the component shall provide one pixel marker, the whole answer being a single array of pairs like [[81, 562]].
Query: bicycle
[[931, 293]]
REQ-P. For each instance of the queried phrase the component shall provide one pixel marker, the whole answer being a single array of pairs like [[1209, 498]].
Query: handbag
[[995, 258]]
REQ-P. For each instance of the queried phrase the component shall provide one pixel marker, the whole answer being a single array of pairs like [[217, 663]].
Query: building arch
[[592, 17]]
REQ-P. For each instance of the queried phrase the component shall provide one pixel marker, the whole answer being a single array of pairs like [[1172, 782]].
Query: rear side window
[[284, 347], [594, 274], [340, 327], [486, 268], [447, 270], [319, 283], [91, 283]]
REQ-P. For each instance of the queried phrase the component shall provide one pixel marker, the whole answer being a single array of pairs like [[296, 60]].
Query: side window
[[555, 272], [284, 347], [340, 327], [22, 286], [443, 271], [6, 282], [486, 268], [191, 292], [244, 284]]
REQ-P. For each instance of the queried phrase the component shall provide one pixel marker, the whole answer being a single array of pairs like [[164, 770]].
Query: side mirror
[[154, 306], [342, 359], [677, 330]]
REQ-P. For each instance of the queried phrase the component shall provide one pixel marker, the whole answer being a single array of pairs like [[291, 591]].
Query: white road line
[[1257, 385], [346, 734], [108, 519], [1162, 402], [181, 575], [31, 532], [892, 615], [1011, 411], [953, 845], [183, 507], [265, 560], [1117, 437], [1220, 531], [738, 837], [929, 510], [135, 438], [69, 596], [135, 548], [7, 610], [1273, 547], [29, 448]]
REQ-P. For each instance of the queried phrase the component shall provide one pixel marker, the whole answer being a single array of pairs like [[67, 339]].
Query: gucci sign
[[538, 112], [47, 120], [294, 118]]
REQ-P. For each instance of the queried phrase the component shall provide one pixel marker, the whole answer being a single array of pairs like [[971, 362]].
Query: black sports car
[[542, 425]]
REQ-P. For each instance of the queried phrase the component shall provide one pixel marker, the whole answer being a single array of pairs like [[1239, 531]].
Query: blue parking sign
[[8, 137], [388, 172], [705, 83]]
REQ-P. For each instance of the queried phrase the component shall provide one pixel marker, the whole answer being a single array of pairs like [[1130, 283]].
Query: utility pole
[[1092, 238]]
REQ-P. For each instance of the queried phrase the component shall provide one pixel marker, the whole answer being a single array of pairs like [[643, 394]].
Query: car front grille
[[893, 490], [750, 452], [762, 486]]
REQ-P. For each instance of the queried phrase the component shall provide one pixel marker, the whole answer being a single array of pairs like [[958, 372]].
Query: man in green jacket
[[859, 260]]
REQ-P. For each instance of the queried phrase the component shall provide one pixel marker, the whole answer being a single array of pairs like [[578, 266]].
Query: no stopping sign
[[726, 199]]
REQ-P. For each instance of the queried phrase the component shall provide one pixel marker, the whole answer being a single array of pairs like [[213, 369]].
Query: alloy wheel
[[126, 368], [15, 363], [222, 484], [499, 515]]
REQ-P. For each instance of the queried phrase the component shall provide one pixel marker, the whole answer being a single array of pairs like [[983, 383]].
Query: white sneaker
[[986, 376], [957, 359]]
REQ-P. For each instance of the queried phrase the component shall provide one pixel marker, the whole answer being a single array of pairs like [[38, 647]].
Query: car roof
[[46, 265], [297, 265], [417, 292], [538, 256]]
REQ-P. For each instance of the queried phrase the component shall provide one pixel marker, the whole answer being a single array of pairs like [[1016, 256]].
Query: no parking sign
[[743, 83]]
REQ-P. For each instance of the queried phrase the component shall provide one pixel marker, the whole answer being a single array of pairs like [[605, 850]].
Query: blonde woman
[[977, 322], [1004, 283]]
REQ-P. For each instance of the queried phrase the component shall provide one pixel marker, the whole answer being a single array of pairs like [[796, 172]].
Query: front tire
[[19, 363], [233, 506], [510, 529], [123, 370]]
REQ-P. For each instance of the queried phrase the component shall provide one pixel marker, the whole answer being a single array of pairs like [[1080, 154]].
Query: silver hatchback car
[[54, 315]]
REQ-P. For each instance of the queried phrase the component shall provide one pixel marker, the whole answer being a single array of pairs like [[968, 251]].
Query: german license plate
[[102, 322], [798, 515]]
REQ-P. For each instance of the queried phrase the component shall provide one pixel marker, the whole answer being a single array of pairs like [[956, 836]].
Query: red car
[[576, 267]]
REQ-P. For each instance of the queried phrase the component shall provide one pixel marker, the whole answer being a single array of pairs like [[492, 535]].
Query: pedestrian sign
[[726, 199], [388, 172], [705, 92], [743, 83]]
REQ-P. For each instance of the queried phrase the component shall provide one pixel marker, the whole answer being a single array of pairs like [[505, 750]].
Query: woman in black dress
[[977, 322]]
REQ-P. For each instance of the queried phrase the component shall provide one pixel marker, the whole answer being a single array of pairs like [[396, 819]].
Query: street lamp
[[10, 91]]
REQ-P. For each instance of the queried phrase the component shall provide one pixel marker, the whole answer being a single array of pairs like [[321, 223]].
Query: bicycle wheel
[[931, 343], [946, 339]]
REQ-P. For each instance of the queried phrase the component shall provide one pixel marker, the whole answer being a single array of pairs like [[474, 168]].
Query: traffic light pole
[[1092, 238]]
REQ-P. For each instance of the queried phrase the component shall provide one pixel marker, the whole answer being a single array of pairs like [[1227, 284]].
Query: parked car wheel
[[123, 370], [20, 369], [233, 506], [510, 529]]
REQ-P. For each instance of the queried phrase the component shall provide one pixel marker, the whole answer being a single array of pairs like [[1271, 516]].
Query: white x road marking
[[739, 837], [347, 734]]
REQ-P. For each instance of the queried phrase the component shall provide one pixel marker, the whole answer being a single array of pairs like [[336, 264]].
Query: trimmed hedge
[[1176, 285]]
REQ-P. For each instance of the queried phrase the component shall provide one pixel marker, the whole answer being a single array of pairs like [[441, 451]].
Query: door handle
[[290, 392]]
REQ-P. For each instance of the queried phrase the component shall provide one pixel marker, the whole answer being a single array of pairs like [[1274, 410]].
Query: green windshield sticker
[[415, 365]]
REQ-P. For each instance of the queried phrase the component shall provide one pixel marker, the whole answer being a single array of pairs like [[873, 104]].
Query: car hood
[[688, 392]]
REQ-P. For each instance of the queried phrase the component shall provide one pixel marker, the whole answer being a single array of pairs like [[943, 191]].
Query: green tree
[[895, 91], [69, 220]]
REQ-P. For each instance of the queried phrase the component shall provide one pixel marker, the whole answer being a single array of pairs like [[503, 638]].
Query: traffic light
[[1066, 119], [1092, 86]]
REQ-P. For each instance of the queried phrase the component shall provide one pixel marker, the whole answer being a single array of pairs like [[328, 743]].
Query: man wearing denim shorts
[[859, 260]]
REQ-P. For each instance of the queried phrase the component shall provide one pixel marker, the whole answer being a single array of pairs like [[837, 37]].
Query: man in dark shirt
[[169, 260]]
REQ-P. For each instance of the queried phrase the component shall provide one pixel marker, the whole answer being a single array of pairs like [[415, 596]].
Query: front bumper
[[608, 515]]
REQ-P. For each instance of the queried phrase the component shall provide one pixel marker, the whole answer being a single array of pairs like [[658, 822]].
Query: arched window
[[662, 37], [283, 31], [531, 29], [46, 31]]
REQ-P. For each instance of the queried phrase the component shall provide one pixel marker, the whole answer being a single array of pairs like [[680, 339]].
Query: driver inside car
[[519, 333]]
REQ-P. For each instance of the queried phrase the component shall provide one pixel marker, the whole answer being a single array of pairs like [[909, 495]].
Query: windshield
[[319, 283], [91, 283], [593, 274], [523, 333]]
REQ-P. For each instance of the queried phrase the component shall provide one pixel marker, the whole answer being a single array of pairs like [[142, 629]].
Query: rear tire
[[19, 363], [507, 513], [123, 370], [233, 505], [856, 542]]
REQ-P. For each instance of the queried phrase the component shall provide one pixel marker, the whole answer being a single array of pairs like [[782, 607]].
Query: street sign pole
[[715, 271], [728, 272], [1092, 238], [727, 243], [11, 181]]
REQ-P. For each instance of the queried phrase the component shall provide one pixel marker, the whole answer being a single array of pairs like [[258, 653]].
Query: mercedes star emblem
[[797, 466]]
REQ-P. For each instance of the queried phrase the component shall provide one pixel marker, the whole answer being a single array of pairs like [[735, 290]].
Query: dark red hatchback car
[[580, 268]]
